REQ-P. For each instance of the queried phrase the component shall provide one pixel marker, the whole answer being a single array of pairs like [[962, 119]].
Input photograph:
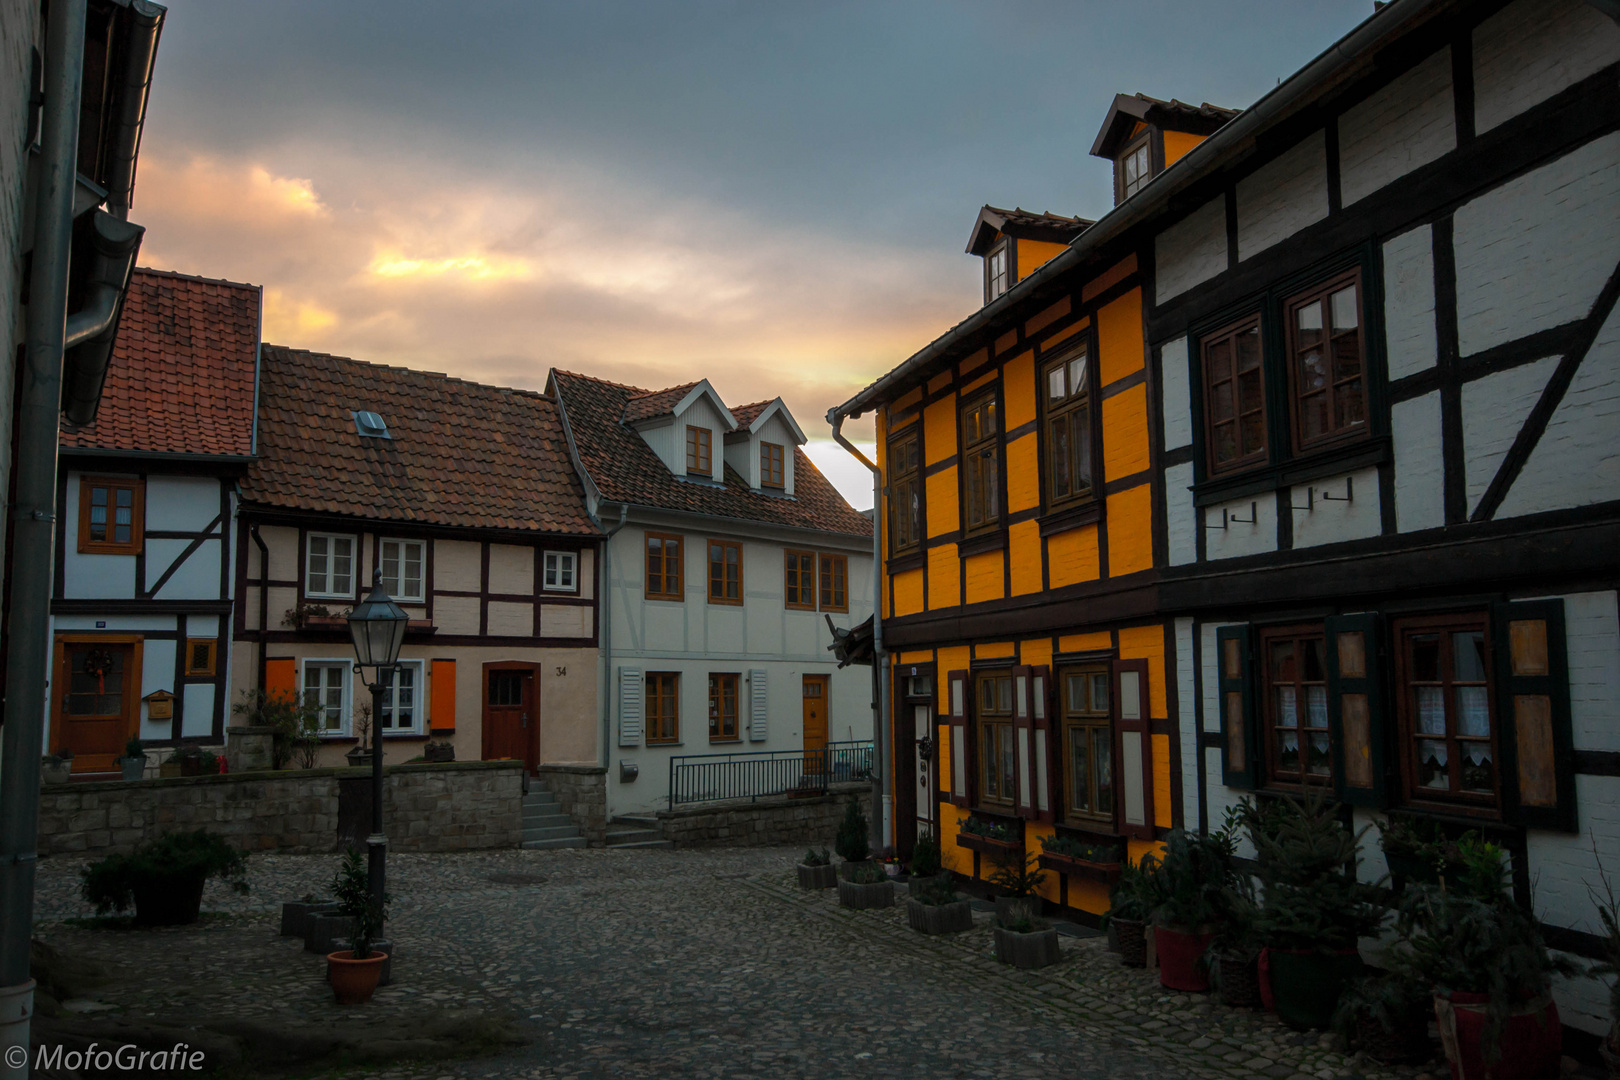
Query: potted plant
[[359, 755], [295, 914], [192, 761], [1608, 965], [851, 842], [163, 878], [1025, 942], [1313, 911], [1236, 948], [1066, 855], [1130, 902], [935, 908], [925, 856], [865, 886], [354, 972], [1416, 850], [1195, 879], [816, 871], [1015, 880], [133, 763], [293, 722], [993, 838], [439, 750], [56, 768], [1386, 1017]]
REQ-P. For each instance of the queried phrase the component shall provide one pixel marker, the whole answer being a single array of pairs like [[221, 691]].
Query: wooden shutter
[[1534, 742], [281, 678], [442, 700], [1234, 672], [632, 691], [1133, 749], [1356, 708], [757, 700], [960, 766], [1043, 757], [1023, 745]]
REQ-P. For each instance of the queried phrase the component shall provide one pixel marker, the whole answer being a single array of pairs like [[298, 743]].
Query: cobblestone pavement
[[683, 963]]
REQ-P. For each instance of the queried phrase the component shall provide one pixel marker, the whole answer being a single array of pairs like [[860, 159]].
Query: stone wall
[[777, 820], [454, 806], [581, 792]]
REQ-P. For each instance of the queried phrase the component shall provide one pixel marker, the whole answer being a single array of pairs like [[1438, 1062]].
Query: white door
[[927, 809]]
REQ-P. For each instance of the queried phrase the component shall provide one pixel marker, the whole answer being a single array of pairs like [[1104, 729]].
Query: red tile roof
[[645, 405], [747, 414], [461, 453], [181, 377], [625, 469]]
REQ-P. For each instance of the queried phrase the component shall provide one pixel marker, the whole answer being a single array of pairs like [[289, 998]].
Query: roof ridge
[[665, 390], [155, 272], [636, 390], [541, 394]]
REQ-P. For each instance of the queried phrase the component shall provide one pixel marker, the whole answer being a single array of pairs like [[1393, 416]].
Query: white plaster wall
[[1181, 516], [1176, 383], [85, 577], [195, 579], [1493, 410], [181, 503], [571, 620], [1219, 796], [511, 620], [1240, 537], [1330, 521], [199, 714], [1419, 468], [1535, 252], [1530, 50], [511, 569], [1283, 196], [157, 673], [1592, 634], [1370, 866], [1409, 302], [455, 614], [281, 541], [1403, 126], [1191, 251], [1577, 460], [456, 566]]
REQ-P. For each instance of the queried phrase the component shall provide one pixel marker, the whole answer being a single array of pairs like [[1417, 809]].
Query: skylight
[[370, 425]]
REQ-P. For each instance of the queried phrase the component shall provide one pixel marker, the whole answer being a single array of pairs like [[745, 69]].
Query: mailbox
[[159, 705]]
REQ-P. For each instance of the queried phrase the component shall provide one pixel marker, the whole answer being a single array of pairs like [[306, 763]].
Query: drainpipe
[[264, 596], [882, 778], [33, 519], [604, 605]]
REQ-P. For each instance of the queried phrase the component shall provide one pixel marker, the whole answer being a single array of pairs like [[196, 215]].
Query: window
[[1234, 396], [1325, 364], [200, 655], [981, 463], [834, 583], [663, 566], [772, 471], [402, 562], [1089, 742], [1135, 169], [800, 583], [110, 516], [905, 495], [1444, 704], [402, 699], [722, 708], [1068, 430], [663, 706], [560, 571], [725, 572], [326, 685], [1298, 747], [699, 447], [997, 771], [329, 566], [995, 273]]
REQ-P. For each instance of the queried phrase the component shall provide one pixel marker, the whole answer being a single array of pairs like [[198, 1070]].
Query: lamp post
[[377, 625]]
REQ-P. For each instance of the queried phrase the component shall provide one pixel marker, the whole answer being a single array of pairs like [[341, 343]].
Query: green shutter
[[1357, 708], [1234, 671], [1534, 741]]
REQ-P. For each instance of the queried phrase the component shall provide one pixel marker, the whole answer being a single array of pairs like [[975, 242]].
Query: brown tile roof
[[181, 376], [644, 406], [1020, 216], [461, 453], [747, 414], [625, 469]]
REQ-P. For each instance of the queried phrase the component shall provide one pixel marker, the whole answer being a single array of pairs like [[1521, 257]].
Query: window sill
[[1342, 457], [1071, 518], [724, 603], [667, 599], [978, 545], [664, 742], [559, 591], [911, 560], [724, 742]]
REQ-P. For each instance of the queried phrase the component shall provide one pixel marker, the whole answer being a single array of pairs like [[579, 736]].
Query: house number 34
[[561, 671]]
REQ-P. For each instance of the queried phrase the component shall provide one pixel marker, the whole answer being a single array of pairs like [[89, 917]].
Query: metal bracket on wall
[[1349, 492], [1310, 501], [1229, 518]]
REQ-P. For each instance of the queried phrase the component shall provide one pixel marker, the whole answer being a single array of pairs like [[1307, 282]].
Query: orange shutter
[[281, 678], [442, 707]]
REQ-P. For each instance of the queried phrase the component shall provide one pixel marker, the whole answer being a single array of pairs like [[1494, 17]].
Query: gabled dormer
[[760, 450], [1143, 136], [1013, 243], [685, 426]]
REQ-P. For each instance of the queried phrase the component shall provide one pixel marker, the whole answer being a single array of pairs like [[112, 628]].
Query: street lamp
[[377, 625]]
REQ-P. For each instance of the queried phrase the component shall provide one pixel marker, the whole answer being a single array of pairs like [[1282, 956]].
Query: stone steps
[[545, 826], [636, 831]]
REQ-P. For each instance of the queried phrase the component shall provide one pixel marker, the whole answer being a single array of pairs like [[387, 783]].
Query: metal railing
[[696, 778]]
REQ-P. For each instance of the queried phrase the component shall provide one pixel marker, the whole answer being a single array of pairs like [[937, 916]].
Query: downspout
[[604, 604], [33, 519], [264, 596], [882, 778]]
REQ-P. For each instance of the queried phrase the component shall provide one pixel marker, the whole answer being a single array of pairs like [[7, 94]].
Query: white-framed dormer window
[[562, 571], [326, 688], [403, 700], [329, 566], [996, 277], [402, 566]]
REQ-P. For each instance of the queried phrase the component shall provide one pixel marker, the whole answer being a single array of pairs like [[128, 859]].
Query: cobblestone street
[[678, 963]]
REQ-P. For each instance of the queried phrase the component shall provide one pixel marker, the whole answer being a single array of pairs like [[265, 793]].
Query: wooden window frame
[[724, 546], [791, 557], [699, 451], [213, 656], [900, 484], [137, 528], [772, 465], [1298, 633], [419, 690], [1079, 402], [717, 683], [987, 446], [1230, 332], [660, 688], [983, 720], [1414, 794], [420, 596], [1004, 250], [671, 591], [825, 563], [1090, 721], [573, 571], [345, 707], [354, 566], [1142, 142], [1322, 291]]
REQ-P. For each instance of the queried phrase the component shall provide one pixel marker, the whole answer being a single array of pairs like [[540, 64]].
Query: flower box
[[1036, 949], [995, 848], [860, 897], [1106, 872]]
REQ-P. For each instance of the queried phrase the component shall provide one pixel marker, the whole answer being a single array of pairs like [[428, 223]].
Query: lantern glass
[[377, 627]]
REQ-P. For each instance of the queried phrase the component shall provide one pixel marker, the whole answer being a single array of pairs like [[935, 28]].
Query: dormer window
[[1135, 169], [996, 278], [772, 472], [699, 451], [370, 425]]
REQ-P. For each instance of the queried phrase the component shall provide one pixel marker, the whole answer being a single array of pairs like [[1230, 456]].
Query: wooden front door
[[815, 722], [511, 714], [98, 700]]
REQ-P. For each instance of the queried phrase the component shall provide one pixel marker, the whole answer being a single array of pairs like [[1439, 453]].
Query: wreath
[[99, 662]]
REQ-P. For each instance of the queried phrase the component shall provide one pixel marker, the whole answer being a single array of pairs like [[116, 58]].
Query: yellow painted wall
[[1024, 553], [986, 577], [1100, 639], [1035, 651], [1033, 253], [1125, 433], [1071, 557], [944, 578], [908, 592], [1023, 474], [944, 516], [939, 430], [920, 656], [995, 650], [1130, 535], [1147, 643], [1163, 806], [952, 658], [1177, 143], [957, 859], [1063, 334], [1119, 337], [1018, 390]]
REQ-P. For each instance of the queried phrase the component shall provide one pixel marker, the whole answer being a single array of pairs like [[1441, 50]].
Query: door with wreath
[[97, 700]]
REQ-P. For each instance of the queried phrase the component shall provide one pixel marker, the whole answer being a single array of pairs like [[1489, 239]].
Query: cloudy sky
[[774, 196]]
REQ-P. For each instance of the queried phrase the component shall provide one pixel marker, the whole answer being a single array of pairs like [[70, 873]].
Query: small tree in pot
[[851, 843], [1016, 878], [816, 871], [132, 765], [865, 886], [354, 972], [935, 908], [925, 856], [163, 878], [1196, 878], [1131, 902]]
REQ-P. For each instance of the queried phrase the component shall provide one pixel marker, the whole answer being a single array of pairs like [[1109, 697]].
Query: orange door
[[511, 718], [815, 722], [97, 701]]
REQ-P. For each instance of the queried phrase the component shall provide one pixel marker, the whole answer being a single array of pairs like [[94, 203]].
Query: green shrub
[[1306, 863], [866, 873], [851, 842], [934, 891], [925, 857], [1017, 874], [1196, 878], [294, 723], [813, 859], [351, 888], [171, 859], [1070, 848]]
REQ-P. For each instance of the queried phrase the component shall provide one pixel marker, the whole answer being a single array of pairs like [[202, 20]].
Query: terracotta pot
[[1181, 959], [1531, 1044], [354, 981], [1132, 935], [1303, 987]]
